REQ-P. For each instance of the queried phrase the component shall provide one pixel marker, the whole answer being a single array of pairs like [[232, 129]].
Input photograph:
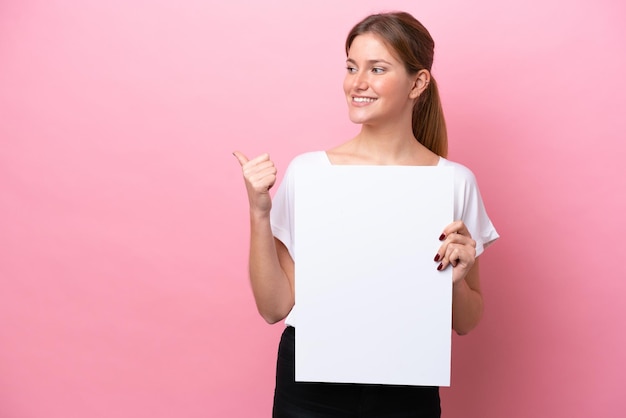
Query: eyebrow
[[350, 60]]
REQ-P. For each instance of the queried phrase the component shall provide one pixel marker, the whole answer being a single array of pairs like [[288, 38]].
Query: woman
[[391, 93]]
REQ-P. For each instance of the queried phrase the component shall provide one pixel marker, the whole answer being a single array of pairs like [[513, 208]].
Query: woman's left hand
[[458, 249]]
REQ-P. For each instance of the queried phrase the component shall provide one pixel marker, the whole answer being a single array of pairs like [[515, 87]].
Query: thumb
[[240, 157]]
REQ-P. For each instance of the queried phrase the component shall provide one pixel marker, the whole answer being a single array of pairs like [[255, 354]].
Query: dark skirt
[[302, 399]]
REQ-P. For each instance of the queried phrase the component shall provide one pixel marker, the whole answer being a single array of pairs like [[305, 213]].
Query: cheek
[[391, 88], [347, 85]]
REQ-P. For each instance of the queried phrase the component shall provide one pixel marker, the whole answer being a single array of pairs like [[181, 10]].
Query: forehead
[[369, 46]]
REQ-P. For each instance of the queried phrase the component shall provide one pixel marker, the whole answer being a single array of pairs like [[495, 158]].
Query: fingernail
[[440, 266], [437, 257], [442, 237]]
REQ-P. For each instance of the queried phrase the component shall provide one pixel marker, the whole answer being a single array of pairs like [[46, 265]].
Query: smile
[[363, 99]]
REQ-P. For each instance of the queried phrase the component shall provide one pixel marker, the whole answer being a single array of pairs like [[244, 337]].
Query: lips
[[363, 99]]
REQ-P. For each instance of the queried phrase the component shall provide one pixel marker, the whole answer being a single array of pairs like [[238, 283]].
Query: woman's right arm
[[271, 266]]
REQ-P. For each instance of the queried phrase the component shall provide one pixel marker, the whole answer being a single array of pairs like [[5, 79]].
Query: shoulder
[[304, 161], [462, 174], [313, 158]]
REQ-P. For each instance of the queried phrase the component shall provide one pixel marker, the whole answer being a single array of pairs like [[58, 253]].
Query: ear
[[421, 81]]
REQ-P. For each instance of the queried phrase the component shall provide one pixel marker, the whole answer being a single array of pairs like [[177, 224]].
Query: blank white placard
[[372, 307]]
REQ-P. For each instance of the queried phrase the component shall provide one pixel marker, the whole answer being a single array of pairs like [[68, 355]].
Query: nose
[[360, 81]]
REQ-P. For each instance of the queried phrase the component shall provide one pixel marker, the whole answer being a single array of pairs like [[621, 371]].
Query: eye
[[351, 70], [378, 70]]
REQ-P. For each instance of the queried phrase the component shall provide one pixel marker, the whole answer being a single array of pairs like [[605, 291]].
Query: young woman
[[391, 93]]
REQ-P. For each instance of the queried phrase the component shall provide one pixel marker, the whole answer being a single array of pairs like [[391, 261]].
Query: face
[[377, 86]]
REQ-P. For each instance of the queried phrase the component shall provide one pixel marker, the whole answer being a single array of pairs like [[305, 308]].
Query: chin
[[358, 118]]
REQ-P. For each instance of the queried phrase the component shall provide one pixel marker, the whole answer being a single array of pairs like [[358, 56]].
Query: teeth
[[363, 99]]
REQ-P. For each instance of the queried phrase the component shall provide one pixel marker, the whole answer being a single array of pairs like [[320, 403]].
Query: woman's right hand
[[259, 175]]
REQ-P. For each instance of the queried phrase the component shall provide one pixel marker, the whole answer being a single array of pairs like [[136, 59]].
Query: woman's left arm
[[467, 302], [459, 250]]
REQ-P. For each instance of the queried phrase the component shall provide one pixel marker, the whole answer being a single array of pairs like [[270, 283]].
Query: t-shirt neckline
[[327, 158]]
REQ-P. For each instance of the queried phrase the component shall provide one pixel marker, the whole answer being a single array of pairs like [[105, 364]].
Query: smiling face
[[377, 86]]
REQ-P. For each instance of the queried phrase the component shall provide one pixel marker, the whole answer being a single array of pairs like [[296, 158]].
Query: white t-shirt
[[468, 206]]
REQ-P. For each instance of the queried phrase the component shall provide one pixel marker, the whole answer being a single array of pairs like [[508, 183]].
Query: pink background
[[123, 217]]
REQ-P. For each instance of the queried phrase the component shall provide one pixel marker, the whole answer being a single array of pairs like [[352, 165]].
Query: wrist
[[259, 215]]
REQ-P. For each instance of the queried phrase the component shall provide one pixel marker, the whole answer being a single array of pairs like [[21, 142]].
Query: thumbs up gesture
[[260, 175]]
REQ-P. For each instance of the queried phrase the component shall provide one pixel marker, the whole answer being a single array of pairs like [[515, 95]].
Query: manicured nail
[[442, 237], [440, 266], [437, 257]]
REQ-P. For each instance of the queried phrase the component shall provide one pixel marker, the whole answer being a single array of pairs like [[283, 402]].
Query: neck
[[387, 145], [390, 143]]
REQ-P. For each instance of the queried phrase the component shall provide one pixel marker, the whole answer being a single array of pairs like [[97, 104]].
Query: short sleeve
[[469, 207], [282, 213]]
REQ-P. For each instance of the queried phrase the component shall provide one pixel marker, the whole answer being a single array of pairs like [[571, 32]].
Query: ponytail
[[429, 125]]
